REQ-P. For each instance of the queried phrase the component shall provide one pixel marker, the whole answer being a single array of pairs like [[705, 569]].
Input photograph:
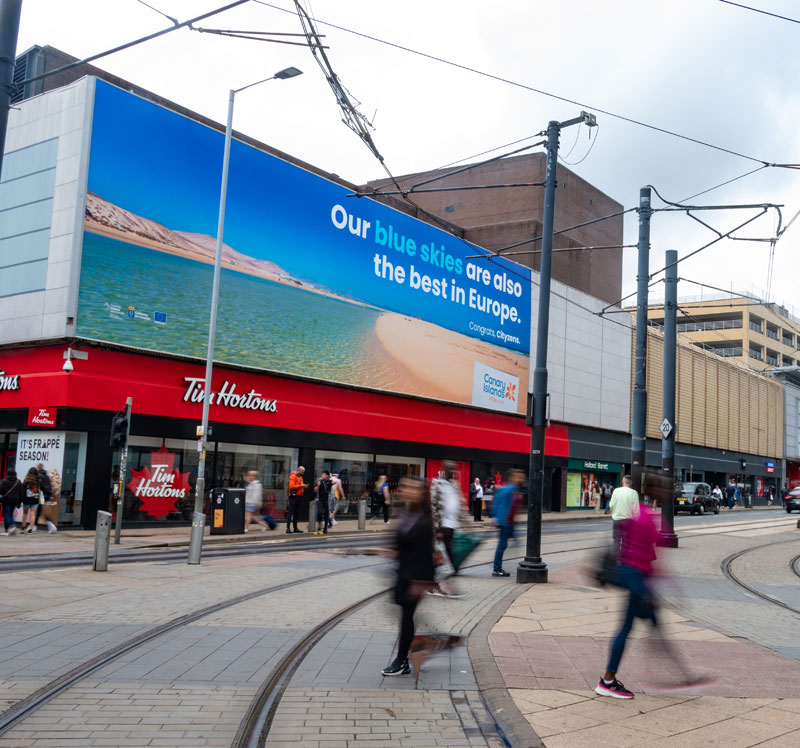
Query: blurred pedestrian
[[381, 500], [476, 496], [30, 500], [11, 494], [597, 497], [414, 548], [253, 499], [730, 492], [323, 492], [334, 497], [446, 504], [46, 487], [505, 504], [296, 489], [608, 489], [624, 505]]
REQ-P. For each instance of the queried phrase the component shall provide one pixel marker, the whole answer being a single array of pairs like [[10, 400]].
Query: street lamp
[[198, 520]]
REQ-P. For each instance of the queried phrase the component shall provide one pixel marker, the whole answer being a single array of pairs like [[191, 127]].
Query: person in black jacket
[[11, 497], [414, 547]]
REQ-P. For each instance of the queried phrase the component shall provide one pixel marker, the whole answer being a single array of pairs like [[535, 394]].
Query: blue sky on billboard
[[166, 168]]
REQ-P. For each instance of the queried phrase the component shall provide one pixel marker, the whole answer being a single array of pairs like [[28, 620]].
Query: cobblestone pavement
[[552, 644]]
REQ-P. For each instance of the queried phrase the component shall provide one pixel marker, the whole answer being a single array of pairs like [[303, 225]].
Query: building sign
[[770, 467], [159, 486], [36, 448], [227, 396], [603, 467], [42, 417], [313, 283], [492, 388], [8, 382]]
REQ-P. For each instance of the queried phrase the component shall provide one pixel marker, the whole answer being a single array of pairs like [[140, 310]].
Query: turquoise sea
[[125, 288]]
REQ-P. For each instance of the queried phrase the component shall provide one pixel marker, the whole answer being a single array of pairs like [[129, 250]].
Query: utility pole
[[123, 469], [639, 420], [9, 30], [532, 568], [667, 537]]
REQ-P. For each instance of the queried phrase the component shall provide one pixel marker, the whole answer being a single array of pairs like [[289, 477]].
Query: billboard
[[314, 282]]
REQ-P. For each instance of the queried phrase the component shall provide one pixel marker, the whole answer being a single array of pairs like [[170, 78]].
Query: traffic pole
[[9, 30], [639, 420], [123, 469], [667, 537], [532, 568]]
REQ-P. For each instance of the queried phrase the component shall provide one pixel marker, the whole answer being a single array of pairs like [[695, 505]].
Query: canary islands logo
[[495, 389]]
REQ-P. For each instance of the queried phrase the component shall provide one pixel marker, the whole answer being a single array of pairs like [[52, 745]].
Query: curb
[[491, 686]]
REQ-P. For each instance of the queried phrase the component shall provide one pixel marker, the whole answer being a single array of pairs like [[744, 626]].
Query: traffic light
[[119, 431]]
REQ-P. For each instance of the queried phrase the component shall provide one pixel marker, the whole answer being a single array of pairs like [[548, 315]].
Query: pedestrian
[[446, 503], [597, 497], [296, 489], [636, 553], [770, 495], [414, 548], [730, 492], [381, 500], [624, 506], [322, 488], [334, 497], [717, 494], [253, 499], [608, 489], [738, 495], [11, 494], [30, 500], [46, 487], [476, 497], [505, 504]]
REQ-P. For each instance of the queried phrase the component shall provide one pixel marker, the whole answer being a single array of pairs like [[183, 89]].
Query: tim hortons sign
[[159, 486], [42, 417], [8, 381], [227, 396]]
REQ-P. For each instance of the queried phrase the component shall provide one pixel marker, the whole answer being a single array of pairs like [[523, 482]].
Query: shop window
[[354, 471], [232, 461], [395, 468], [71, 500]]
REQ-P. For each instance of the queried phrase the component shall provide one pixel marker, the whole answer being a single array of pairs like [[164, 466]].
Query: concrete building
[[789, 377], [745, 330]]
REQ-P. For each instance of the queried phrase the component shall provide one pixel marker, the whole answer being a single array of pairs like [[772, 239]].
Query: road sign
[[665, 428]]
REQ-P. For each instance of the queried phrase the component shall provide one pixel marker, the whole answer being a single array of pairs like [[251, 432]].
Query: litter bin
[[227, 511]]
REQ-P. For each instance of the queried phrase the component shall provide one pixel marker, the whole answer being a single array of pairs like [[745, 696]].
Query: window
[[772, 358], [788, 361], [772, 332], [788, 339], [355, 472], [398, 467], [756, 324], [756, 353]]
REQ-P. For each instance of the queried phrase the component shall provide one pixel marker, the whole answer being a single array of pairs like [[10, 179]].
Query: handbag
[[463, 544], [607, 569], [443, 567], [41, 496]]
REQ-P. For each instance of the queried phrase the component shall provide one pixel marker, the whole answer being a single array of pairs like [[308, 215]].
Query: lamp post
[[198, 521]]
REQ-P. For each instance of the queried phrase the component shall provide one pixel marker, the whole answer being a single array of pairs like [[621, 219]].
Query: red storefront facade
[[258, 421]]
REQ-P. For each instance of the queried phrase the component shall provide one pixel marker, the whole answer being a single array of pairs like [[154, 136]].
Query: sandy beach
[[439, 363]]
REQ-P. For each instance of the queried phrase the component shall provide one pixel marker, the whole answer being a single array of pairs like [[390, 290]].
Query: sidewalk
[[552, 644]]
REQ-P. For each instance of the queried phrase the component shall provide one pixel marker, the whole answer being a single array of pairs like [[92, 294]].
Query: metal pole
[[102, 534], [532, 568], [196, 540], [667, 537], [639, 420], [123, 470], [362, 514], [313, 513], [9, 30]]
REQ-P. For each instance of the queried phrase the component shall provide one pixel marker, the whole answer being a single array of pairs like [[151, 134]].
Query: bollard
[[313, 513], [196, 538], [102, 535], [362, 514]]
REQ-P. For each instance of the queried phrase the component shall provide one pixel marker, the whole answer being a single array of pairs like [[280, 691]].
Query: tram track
[[727, 570]]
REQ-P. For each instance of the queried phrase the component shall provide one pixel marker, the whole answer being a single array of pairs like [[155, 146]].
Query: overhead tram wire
[[759, 10], [542, 92], [135, 42]]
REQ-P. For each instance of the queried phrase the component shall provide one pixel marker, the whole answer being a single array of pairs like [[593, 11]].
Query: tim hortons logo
[[8, 381], [159, 486], [41, 417], [227, 396]]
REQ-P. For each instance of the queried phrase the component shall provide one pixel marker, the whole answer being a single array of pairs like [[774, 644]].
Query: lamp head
[[288, 73]]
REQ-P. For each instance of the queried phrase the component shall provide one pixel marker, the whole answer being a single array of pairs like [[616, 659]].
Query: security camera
[[68, 367]]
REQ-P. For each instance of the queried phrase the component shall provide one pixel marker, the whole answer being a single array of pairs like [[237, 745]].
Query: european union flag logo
[[160, 318]]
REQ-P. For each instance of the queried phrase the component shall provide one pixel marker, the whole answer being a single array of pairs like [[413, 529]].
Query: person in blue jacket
[[505, 504]]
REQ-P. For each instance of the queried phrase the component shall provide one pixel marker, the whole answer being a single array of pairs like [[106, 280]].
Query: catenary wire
[[533, 89], [591, 147], [160, 12], [759, 10]]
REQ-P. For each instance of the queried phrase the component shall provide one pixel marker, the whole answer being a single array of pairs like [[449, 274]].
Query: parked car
[[791, 499], [695, 498]]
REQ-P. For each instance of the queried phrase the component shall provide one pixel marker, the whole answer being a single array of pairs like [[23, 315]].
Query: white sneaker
[[12, 531], [51, 528], [3, 534], [372, 520], [34, 528]]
